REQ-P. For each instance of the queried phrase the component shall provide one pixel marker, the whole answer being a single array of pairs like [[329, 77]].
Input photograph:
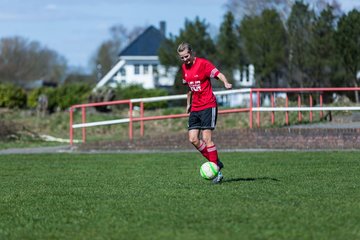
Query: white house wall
[[150, 79], [166, 76]]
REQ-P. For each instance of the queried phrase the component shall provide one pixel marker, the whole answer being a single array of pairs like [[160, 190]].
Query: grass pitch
[[266, 195]]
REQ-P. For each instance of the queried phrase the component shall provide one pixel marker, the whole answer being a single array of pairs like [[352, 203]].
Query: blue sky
[[76, 28]]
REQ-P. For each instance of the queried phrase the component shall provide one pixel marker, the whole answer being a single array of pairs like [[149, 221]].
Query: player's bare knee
[[208, 141], [194, 140]]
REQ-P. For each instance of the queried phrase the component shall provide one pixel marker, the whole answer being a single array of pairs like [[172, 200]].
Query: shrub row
[[67, 95]]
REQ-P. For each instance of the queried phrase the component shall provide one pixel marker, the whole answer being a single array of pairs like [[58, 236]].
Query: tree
[[252, 8], [320, 5], [228, 46], [299, 25], [323, 54], [196, 33], [348, 43], [107, 53], [167, 52], [23, 61], [265, 46]]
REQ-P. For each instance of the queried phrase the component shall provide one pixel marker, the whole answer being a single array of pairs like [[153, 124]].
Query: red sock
[[213, 155], [203, 150]]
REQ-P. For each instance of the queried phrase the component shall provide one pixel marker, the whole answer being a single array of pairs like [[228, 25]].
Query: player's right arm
[[188, 101]]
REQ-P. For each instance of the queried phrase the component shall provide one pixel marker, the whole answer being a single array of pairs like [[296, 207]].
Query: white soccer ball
[[209, 170]]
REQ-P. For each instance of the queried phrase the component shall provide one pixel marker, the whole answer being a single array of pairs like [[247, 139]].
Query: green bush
[[137, 91], [71, 94], [12, 96], [61, 97], [33, 97]]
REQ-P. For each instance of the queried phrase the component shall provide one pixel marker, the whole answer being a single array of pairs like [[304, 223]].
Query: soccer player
[[201, 102]]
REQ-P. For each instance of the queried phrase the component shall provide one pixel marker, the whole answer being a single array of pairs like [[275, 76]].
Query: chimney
[[163, 28]]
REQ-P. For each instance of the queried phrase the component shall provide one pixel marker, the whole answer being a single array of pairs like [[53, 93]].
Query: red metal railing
[[83, 115], [140, 119], [250, 109], [309, 91]]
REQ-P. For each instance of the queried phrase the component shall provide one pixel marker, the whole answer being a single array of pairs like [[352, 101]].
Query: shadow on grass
[[250, 179]]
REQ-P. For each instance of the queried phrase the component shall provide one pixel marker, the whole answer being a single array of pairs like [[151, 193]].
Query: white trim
[[227, 92], [92, 124], [110, 74], [183, 96], [213, 72], [213, 117], [157, 99], [289, 109], [156, 58], [152, 99]]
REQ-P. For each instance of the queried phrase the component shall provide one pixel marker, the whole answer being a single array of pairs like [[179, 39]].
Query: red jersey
[[197, 77]]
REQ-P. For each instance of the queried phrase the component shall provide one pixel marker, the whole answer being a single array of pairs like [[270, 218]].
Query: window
[[155, 68], [136, 69], [122, 72], [146, 68]]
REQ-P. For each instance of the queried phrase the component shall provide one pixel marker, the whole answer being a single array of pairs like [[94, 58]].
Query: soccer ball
[[209, 170]]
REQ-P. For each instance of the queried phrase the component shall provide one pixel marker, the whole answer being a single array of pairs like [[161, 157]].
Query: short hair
[[184, 46]]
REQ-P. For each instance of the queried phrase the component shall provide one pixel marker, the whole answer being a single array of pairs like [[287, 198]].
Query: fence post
[[299, 105], [258, 112], [141, 121], [251, 110], [311, 104], [272, 105], [130, 120], [287, 112], [71, 130], [83, 119], [321, 104]]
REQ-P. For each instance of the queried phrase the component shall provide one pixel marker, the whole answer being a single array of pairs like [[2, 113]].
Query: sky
[[76, 28]]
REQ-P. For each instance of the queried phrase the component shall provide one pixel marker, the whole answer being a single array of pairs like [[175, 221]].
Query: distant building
[[39, 83], [139, 63], [244, 78]]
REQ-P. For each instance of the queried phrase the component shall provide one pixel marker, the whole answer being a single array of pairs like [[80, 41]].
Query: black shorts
[[205, 119]]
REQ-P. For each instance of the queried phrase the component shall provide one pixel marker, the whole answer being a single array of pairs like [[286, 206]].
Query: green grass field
[[265, 195]]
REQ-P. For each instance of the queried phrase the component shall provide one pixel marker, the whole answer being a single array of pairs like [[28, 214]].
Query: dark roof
[[147, 44]]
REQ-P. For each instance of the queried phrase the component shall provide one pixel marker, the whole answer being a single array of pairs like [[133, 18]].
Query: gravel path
[[69, 149], [57, 149]]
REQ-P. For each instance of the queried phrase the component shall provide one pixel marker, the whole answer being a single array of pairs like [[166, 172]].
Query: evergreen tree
[[299, 25], [242, 8], [265, 46], [348, 44], [228, 48], [323, 55], [196, 33]]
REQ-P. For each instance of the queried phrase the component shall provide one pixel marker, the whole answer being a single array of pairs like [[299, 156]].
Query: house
[[139, 63], [39, 83]]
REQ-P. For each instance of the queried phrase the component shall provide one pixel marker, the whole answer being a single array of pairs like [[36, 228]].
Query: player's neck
[[191, 63]]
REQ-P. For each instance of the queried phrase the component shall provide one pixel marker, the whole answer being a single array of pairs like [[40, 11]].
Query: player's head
[[184, 47], [185, 53]]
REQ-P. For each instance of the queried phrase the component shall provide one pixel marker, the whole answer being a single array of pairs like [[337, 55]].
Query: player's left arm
[[222, 78]]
